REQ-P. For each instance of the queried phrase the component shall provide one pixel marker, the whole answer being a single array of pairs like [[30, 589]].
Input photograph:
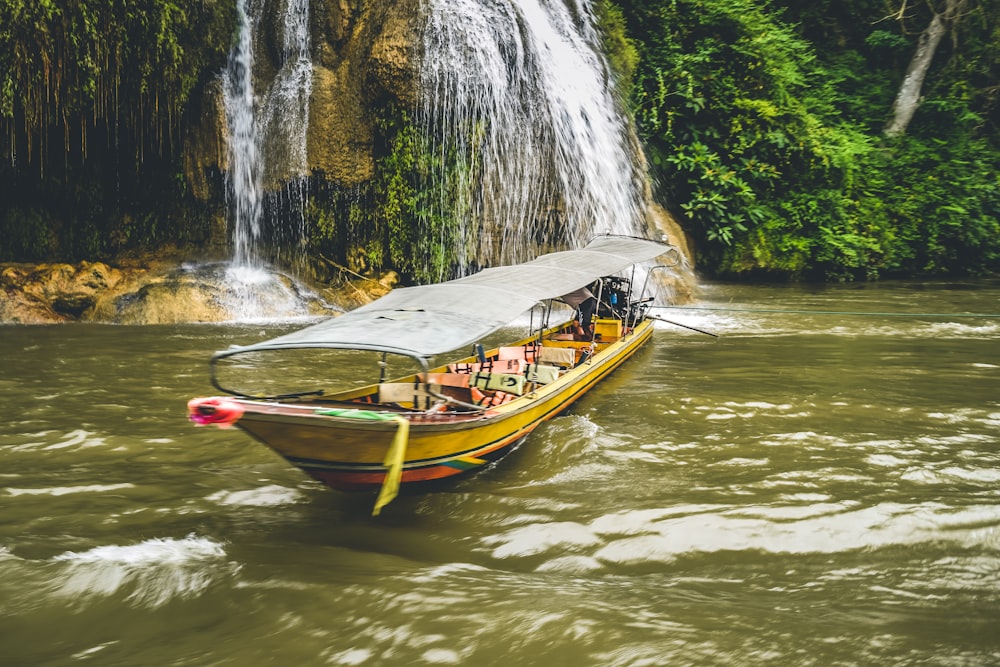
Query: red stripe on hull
[[358, 480]]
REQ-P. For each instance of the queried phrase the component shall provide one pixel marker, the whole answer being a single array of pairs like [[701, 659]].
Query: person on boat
[[585, 303]]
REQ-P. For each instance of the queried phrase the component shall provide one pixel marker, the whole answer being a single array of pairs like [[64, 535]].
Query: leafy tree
[[771, 149], [908, 97]]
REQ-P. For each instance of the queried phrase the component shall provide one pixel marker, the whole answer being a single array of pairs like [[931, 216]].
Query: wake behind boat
[[456, 417]]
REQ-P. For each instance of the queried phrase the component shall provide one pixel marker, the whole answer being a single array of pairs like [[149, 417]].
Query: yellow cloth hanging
[[393, 458], [394, 462]]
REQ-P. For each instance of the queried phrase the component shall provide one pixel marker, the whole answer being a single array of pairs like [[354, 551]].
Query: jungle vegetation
[[96, 97], [779, 133]]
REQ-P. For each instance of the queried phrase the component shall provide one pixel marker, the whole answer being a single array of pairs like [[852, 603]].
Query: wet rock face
[[394, 53], [363, 60], [168, 294], [162, 301], [17, 307], [54, 292], [680, 281]]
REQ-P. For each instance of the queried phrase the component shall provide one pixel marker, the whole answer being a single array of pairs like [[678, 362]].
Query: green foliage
[[132, 63], [93, 99], [27, 234], [726, 104], [942, 202], [771, 149], [762, 121]]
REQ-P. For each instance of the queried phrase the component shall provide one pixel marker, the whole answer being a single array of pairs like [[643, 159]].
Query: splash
[[520, 94], [249, 293], [147, 574]]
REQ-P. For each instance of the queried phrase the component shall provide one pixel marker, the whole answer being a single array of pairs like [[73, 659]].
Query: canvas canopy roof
[[431, 319]]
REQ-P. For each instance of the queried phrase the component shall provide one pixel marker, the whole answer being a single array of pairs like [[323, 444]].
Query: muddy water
[[807, 489]]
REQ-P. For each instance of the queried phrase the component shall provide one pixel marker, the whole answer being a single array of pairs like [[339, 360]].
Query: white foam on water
[[273, 495], [661, 536], [72, 440], [149, 573], [351, 656], [441, 656], [86, 654], [66, 490], [951, 474], [828, 528], [540, 538], [969, 329], [571, 565]]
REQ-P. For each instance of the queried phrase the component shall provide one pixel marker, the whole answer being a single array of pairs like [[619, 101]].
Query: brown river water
[[808, 489]]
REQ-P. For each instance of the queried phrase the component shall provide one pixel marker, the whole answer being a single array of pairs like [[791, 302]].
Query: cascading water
[[267, 146], [243, 185], [519, 92], [285, 123]]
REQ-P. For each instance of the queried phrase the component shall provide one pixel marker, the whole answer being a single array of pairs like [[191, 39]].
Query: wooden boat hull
[[348, 453]]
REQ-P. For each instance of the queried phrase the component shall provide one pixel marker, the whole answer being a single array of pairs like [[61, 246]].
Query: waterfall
[[285, 115], [243, 179], [519, 92], [267, 134], [266, 180]]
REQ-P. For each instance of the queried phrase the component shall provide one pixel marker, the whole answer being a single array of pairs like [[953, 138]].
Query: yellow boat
[[456, 417]]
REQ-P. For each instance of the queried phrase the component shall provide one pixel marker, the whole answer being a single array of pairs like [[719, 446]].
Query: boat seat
[[508, 382], [513, 366], [541, 373], [448, 379], [516, 352], [557, 356], [496, 398], [415, 395], [464, 368]]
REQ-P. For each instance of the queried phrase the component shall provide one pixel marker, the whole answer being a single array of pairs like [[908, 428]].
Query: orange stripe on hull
[[371, 481]]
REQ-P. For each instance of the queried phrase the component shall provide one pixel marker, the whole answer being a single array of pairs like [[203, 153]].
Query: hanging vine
[[129, 65]]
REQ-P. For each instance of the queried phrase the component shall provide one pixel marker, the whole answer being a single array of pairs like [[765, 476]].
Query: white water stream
[[267, 145], [243, 179], [520, 92]]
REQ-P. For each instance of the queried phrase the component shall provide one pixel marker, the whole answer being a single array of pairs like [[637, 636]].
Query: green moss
[[130, 63], [621, 51], [395, 221]]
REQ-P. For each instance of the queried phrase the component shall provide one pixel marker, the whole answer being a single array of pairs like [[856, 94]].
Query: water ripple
[[661, 536]]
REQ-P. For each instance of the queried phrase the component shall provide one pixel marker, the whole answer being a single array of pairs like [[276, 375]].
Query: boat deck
[[474, 384]]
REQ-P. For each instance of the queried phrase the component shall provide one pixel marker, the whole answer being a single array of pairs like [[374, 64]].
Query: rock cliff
[[363, 60]]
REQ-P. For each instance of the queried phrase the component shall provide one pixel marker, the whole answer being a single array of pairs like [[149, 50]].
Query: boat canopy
[[432, 319]]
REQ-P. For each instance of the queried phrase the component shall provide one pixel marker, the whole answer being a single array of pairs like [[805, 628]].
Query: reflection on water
[[807, 489]]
